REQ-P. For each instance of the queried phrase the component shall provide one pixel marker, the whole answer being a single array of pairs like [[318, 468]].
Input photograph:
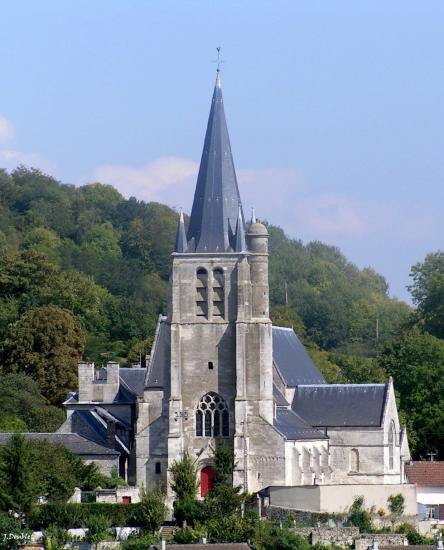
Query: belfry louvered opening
[[218, 293], [202, 292], [212, 417]]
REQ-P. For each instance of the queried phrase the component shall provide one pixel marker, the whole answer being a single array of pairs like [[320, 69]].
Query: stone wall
[[384, 539], [340, 536]]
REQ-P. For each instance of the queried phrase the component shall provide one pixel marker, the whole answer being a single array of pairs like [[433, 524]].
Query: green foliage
[[224, 464], [22, 405], [55, 538], [190, 510], [416, 362], [359, 516], [98, 528], [396, 504], [71, 515], [413, 536], [184, 480], [229, 528], [139, 541], [268, 536], [152, 511], [46, 343], [11, 533], [189, 535], [428, 292]]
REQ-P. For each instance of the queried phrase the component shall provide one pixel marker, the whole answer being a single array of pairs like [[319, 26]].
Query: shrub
[[190, 510], [11, 533], [229, 529], [72, 515], [151, 511], [412, 534], [359, 516], [269, 537], [98, 527], [184, 478], [139, 541], [188, 535], [55, 538]]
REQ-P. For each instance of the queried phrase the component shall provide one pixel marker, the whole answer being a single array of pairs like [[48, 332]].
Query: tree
[[428, 292], [152, 511], [416, 362], [19, 488], [184, 478], [359, 516], [46, 344], [396, 505]]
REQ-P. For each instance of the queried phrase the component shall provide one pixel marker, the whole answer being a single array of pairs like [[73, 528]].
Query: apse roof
[[293, 427], [292, 360], [341, 405]]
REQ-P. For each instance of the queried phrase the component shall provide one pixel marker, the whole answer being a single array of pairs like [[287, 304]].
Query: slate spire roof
[[216, 205]]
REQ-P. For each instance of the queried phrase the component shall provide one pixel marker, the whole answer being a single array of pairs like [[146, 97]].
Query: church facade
[[219, 370]]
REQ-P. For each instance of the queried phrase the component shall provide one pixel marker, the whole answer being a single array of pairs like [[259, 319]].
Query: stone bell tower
[[221, 348]]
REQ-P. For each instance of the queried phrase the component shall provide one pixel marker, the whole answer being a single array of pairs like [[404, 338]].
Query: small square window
[[210, 365]]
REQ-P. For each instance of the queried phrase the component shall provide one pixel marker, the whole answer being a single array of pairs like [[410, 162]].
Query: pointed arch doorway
[[207, 476]]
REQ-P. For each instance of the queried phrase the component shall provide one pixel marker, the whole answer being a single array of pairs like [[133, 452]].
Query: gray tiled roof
[[278, 398], [341, 404], [159, 357], [73, 442], [133, 379], [293, 427], [292, 360], [216, 198]]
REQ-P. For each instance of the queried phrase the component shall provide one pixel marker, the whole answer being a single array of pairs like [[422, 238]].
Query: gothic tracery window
[[218, 293], [212, 417], [202, 292]]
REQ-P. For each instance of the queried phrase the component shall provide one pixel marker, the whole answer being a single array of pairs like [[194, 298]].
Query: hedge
[[71, 516]]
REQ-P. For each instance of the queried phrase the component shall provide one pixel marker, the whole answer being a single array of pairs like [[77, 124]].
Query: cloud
[[330, 215], [159, 180], [9, 160], [7, 131]]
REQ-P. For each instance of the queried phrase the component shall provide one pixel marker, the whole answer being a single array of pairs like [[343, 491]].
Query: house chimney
[[375, 545], [163, 544], [439, 544]]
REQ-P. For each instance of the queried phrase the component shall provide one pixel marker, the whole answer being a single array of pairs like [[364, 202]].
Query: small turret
[[258, 259]]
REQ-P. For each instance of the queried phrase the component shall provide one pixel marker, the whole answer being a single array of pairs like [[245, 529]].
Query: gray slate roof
[[292, 360], [341, 404], [73, 442], [293, 427], [159, 356], [278, 398], [133, 379], [216, 199]]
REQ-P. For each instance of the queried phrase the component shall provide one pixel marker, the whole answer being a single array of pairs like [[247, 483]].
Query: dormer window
[[202, 293]]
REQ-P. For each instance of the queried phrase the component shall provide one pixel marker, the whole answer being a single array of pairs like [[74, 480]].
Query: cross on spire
[[218, 61]]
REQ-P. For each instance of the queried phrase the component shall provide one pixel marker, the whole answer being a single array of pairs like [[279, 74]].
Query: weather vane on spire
[[219, 61]]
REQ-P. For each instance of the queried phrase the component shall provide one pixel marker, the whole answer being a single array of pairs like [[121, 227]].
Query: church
[[219, 370]]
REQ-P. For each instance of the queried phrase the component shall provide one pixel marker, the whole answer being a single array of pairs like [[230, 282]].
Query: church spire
[[181, 238], [216, 205]]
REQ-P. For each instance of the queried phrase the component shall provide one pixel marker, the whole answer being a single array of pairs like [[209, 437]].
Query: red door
[[206, 480]]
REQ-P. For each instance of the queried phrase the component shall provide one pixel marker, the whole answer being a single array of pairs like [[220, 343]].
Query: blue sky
[[335, 109]]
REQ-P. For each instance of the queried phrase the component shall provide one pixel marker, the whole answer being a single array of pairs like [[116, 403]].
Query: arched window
[[354, 460], [218, 293], [202, 292], [212, 417], [392, 445]]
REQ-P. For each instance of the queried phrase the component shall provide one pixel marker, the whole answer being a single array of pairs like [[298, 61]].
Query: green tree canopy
[[46, 343]]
